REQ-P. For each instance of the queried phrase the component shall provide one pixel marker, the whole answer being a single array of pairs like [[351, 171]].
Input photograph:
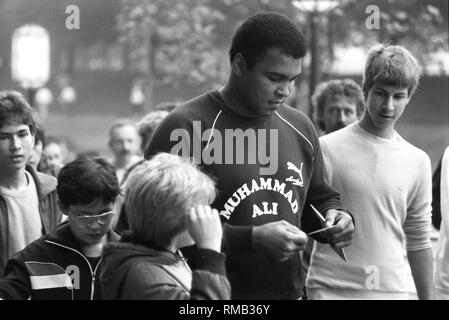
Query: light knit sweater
[[386, 183]]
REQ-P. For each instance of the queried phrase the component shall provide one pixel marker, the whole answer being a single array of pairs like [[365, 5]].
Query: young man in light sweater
[[28, 201], [386, 183]]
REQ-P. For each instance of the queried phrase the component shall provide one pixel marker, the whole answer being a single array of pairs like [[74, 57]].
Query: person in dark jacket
[[167, 201], [28, 205], [66, 263]]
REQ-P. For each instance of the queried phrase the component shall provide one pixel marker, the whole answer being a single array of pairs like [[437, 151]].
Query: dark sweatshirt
[[53, 268], [133, 271]]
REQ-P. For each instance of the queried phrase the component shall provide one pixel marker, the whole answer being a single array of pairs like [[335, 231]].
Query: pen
[[340, 251]]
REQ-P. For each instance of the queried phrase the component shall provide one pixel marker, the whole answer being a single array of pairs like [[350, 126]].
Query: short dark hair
[[85, 179], [263, 31], [339, 87], [14, 109], [40, 134]]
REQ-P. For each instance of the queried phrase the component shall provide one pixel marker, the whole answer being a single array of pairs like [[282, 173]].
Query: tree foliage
[[412, 23], [172, 40], [188, 40], [175, 41]]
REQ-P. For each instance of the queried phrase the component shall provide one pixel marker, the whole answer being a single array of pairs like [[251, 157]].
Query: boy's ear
[[238, 64]]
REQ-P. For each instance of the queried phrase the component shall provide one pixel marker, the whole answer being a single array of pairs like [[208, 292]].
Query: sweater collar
[[45, 183]]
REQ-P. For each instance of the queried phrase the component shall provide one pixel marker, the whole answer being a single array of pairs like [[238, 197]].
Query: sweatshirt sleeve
[[15, 285], [418, 220], [209, 281], [320, 194]]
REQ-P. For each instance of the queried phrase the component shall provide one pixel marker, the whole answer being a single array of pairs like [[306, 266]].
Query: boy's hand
[[204, 226]]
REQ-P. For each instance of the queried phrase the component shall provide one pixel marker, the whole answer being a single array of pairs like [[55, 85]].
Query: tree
[[421, 26], [178, 41], [171, 40]]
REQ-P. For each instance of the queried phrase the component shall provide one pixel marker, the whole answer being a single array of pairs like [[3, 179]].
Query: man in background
[[124, 142], [337, 103]]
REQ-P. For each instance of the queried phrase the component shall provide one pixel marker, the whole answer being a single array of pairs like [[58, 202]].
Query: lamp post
[[30, 58], [314, 8]]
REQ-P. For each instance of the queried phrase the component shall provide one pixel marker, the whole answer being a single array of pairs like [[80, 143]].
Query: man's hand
[[204, 226], [280, 240], [341, 235]]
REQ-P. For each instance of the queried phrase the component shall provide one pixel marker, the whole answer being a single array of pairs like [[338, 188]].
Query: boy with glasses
[[66, 263]]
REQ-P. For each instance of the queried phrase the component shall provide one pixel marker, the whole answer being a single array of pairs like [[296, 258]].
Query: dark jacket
[[137, 272], [436, 196], [48, 209], [52, 268]]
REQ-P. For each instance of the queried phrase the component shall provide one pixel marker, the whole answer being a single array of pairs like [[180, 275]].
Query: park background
[[180, 49]]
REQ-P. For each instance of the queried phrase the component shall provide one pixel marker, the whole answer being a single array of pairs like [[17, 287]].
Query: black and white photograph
[[241, 151]]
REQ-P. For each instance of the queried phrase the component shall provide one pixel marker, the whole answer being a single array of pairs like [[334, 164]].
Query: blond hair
[[391, 65], [160, 192]]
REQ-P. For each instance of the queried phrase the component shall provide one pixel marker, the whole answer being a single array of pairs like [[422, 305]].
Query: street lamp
[[313, 8], [30, 58]]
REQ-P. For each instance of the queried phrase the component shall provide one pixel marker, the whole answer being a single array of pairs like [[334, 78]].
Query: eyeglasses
[[87, 221]]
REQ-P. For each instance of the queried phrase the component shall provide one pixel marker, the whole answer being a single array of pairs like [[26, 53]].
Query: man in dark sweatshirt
[[266, 159]]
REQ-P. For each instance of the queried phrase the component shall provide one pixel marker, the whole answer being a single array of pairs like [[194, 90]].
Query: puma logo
[[295, 181]]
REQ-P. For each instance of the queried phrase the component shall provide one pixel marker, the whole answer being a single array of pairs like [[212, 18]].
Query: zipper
[[92, 288], [93, 279], [92, 272]]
